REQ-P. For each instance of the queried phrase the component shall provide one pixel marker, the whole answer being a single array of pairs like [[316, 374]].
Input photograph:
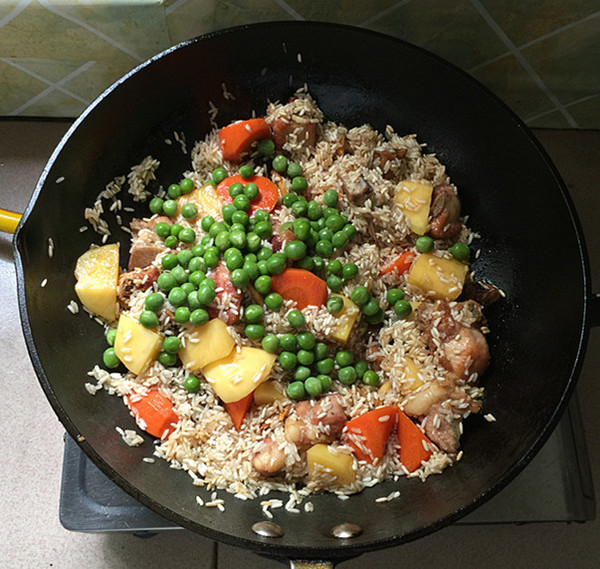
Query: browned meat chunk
[[228, 299], [445, 211], [481, 292], [295, 130], [280, 237], [313, 422], [355, 187], [384, 157], [463, 350], [140, 279], [146, 244], [269, 458], [138, 225], [142, 255]]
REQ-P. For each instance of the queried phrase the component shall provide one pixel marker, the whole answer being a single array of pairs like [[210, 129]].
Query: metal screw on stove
[[267, 529], [346, 531]]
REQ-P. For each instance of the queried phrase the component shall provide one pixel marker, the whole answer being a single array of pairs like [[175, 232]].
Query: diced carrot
[[268, 194], [368, 433], [300, 285], [412, 441], [402, 263], [237, 138], [154, 414], [237, 409]]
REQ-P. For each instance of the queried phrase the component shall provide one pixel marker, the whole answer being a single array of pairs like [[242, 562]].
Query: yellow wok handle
[[9, 220]]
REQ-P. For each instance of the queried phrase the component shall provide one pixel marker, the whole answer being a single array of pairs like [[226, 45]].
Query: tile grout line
[[174, 6], [14, 12], [290, 10], [383, 13], [521, 59], [567, 105]]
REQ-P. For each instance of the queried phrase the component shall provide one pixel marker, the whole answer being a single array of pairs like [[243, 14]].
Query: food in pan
[[298, 311]]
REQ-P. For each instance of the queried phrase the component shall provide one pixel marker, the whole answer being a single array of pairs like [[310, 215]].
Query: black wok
[[532, 248]]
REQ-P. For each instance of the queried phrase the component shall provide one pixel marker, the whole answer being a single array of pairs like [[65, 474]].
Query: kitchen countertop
[[32, 535]]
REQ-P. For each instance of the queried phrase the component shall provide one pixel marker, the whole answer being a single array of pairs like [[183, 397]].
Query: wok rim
[[339, 550]]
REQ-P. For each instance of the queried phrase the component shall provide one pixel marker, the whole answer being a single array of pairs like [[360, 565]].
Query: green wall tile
[[191, 19], [569, 62], [16, 87], [526, 20], [240, 12], [508, 79], [555, 119], [340, 11], [454, 30], [586, 113], [54, 104]]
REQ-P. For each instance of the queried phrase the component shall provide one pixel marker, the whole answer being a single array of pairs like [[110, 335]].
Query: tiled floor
[[33, 445]]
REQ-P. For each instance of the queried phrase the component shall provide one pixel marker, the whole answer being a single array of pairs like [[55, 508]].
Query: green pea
[[177, 296], [263, 254], [253, 313], [246, 171], [288, 360], [254, 331], [174, 191], [217, 227], [253, 242], [184, 257], [168, 360], [195, 279], [306, 340], [222, 241], [335, 222], [360, 295], [305, 357], [313, 386], [314, 210], [347, 375], [241, 203], [262, 268], [324, 248], [219, 174], [460, 251], [111, 335], [156, 205], [241, 217], [188, 287], [274, 301], [301, 228], [209, 283], [170, 207], [393, 295], [312, 238], [371, 307], [371, 378], [263, 229], [349, 230], [318, 265], [328, 211], [330, 198], [294, 169], [325, 366], [233, 258], [227, 212], [148, 319], [169, 261], [110, 359], [175, 229], [344, 358], [296, 390], [321, 351], [335, 283], [206, 294], [206, 242], [296, 318], [276, 263], [270, 343], [349, 271], [206, 222], [279, 163], [191, 384], [251, 191], [251, 269], [187, 235], [171, 241], [361, 367], [295, 249], [334, 267], [299, 184], [301, 372], [189, 211], [262, 215], [339, 239], [334, 304], [402, 308], [211, 259], [299, 207], [198, 317], [376, 318], [239, 278], [288, 342], [236, 189], [325, 381], [180, 274], [171, 344], [186, 185], [197, 264], [289, 199], [166, 281], [265, 146], [424, 244], [163, 229], [182, 314], [263, 284]]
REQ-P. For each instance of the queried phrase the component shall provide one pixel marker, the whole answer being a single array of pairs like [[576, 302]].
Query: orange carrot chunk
[[268, 194], [237, 410], [402, 263], [237, 138], [300, 285], [411, 439], [368, 433], [154, 414]]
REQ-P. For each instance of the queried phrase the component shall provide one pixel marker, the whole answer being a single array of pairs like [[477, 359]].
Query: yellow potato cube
[[206, 344], [439, 277], [414, 199], [136, 346], [412, 374], [268, 392], [97, 274], [345, 320], [205, 199], [339, 464], [240, 373]]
